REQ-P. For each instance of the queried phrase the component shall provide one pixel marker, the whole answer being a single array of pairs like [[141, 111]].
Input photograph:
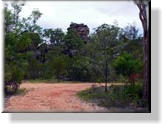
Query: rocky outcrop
[[81, 29]]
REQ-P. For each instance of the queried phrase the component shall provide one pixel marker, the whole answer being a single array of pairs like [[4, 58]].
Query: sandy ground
[[51, 97]]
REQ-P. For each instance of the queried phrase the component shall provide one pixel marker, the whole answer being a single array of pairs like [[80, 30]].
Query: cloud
[[59, 14]]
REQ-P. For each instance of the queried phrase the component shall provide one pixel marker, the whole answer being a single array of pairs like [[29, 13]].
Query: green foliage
[[8, 19], [107, 35], [127, 65], [35, 39], [34, 68], [24, 42], [16, 45], [58, 67], [56, 36], [35, 15], [133, 47], [78, 68], [14, 62], [133, 93], [131, 32], [29, 24], [73, 43], [13, 72], [119, 96]]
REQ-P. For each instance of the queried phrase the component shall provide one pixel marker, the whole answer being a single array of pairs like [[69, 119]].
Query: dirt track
[[51, 97]]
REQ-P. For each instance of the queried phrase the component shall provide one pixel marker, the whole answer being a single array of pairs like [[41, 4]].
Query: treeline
[[32, 52]]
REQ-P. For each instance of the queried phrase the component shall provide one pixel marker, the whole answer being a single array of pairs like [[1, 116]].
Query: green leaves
[[73, 40], [58, 66], [13, 72], [35, 15], [126, 64], [17, 42], [24, 41], [56, 36]]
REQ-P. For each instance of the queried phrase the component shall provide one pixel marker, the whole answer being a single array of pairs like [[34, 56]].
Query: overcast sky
[[60, 14]]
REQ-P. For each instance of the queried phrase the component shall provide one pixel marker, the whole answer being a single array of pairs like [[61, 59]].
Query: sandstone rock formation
[[81, 29]]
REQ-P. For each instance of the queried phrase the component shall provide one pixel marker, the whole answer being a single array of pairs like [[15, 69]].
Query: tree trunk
[[106, 75], [143, 18], [145, 69]]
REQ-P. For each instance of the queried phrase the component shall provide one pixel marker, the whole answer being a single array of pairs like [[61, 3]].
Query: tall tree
[[18, 40], [106, 38], [142, 5]]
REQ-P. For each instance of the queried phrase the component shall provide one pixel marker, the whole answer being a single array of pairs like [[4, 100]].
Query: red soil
[[51, 97]]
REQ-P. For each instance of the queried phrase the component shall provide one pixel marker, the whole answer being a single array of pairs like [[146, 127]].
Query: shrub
[[119, 96], [126, 65]]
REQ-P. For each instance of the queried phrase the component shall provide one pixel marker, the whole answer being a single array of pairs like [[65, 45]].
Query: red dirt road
[[51, 97]]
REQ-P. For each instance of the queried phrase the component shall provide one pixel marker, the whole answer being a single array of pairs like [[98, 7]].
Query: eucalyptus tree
[[105, 41], [143, 15]]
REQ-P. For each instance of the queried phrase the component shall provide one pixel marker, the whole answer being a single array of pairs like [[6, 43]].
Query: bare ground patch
[[51, 97]]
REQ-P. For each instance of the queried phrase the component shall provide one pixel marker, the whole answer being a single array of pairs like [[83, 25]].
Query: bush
[[128, 94], [126, 65], [119, 96]]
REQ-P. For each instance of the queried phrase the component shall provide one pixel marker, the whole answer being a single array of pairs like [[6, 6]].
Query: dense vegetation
[[111, 54]]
